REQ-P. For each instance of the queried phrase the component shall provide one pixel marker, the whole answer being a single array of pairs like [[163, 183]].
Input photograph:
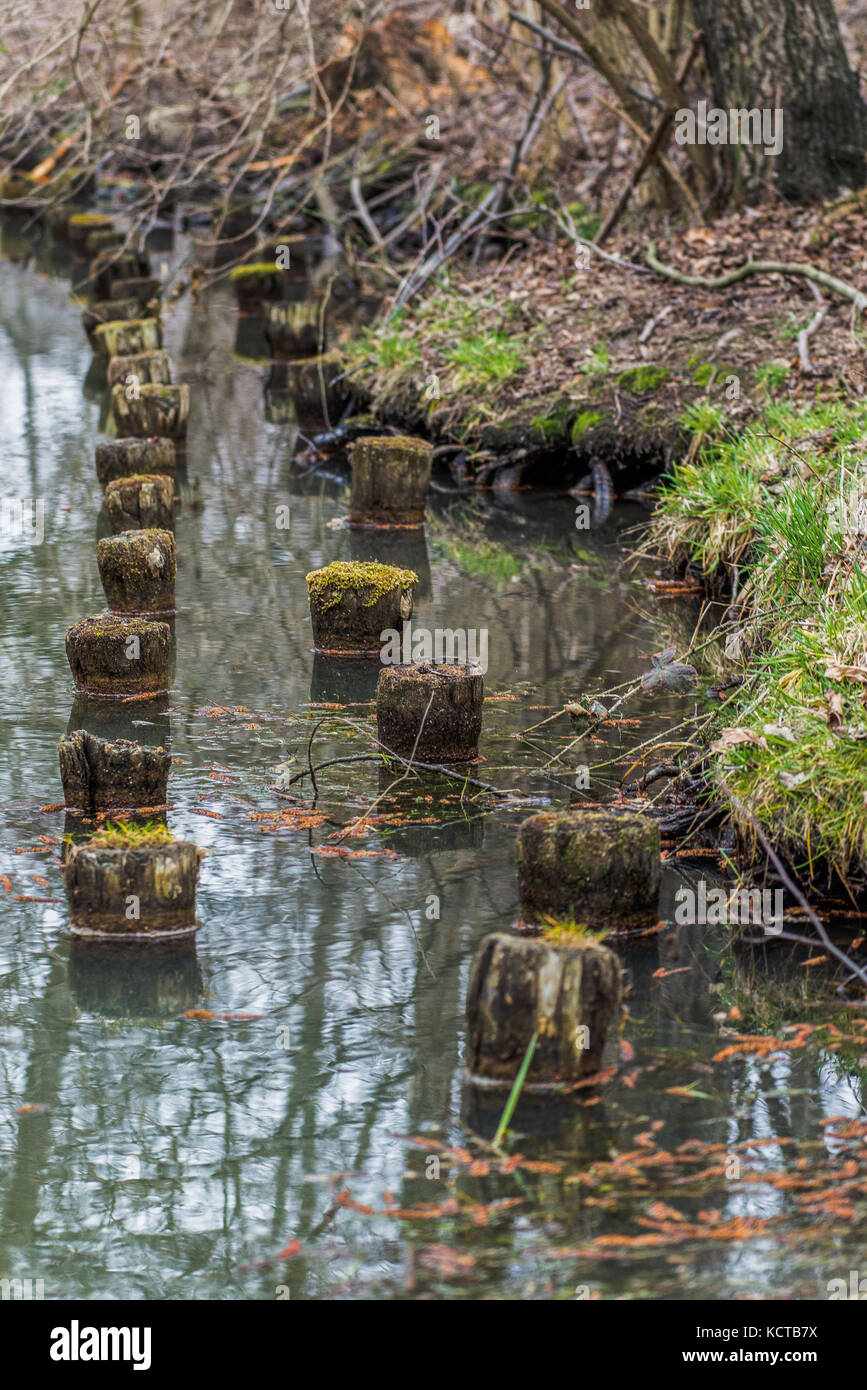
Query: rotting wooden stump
[[132, 886], [109, 267], [143, 502], [152, 410], [81, 224], [103, 239], [257, 284], [125, 458], [113, 657], [140, 369], [315, 392], [143, 288], [122, 339], [390, 477], [99, 775], [430, 712], [352, 603], [589, 866], [107, 311], [567, 994], [295, 330], [138, 569]]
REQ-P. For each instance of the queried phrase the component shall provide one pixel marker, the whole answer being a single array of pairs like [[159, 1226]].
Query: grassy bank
[[776, 517]]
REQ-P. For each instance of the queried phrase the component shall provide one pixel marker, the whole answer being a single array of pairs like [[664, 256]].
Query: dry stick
[[652, 146], [806, 333], [721, 282]]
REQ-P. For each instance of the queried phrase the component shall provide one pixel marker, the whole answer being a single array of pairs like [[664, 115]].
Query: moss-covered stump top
[[112, 656], [81, 224], [589, 867], [130, 880], [367, 580]]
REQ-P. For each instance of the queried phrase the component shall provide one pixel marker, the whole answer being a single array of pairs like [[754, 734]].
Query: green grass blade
[[514, 1094]]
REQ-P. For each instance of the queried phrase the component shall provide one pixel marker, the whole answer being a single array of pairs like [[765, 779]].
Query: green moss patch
[[362, 575]]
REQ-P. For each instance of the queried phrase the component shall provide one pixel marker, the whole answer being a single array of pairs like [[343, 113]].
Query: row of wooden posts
[[553, 986]]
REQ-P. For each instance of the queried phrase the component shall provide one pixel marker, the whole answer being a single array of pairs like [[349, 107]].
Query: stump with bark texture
[[568, 994], [293, 330], [438, 704], [390, 477], [152, 410], [138, 569], [107, 887], [143, 288], [141, 503], [351, 604], [109, 267], [103, 239], [101, 776], [589, 866], [106, 311], [111, 656], [126, 458], [311, 383], [124, 338], [147, 368], [81, 224]]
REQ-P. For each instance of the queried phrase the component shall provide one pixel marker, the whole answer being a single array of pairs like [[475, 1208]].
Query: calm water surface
[[173, 1157]]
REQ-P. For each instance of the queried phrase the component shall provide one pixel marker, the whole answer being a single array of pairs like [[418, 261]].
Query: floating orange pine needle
[[199, 1013], [35, 1109], [814, 960], [662, 973], [57, 806], [291, 1249], [335, 850], [7, 882], [445, 1261], [627, 1051], [201, 811], [28, 898], [43, 882]]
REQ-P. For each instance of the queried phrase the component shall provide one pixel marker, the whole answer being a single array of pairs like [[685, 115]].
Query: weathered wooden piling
[[138, 569], [124, 458], [589, 866], [110, 267], [105, 312], [257, 284], [390, 477], [112, 657], [141, 369], [295, 330], [566, 994], [121, 775], [351, 604], [152, 410], [103, 239], [129, 883], [82, 224], [122, 339], [143, 502], [430, 712], [143, 288]]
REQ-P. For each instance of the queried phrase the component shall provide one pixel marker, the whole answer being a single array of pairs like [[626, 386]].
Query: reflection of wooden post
[[593, 867], [566, 994], [295, 330], [137, 569], [99, 775], [390, 477], [430, 712], [351, 604]]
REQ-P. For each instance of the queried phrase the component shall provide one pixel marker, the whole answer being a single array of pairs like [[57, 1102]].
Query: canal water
[[284, 1113]]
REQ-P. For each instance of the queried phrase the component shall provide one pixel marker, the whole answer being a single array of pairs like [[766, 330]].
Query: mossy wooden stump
[[99, 775], [257, 284], [351, 604], [315, 393], [430, 712], [127, 458], [104, 312], [112, 657], [132, 886], [122, 339], [152, 410], [141, 503], [588, 866], [81, 224], [569, 995], [138, 569], [390, 477], [143, 288], [103, 239], [141, 369], [294, 330], [110, 267]]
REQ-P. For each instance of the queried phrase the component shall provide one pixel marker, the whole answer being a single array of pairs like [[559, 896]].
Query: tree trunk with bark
[[786, 54]]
